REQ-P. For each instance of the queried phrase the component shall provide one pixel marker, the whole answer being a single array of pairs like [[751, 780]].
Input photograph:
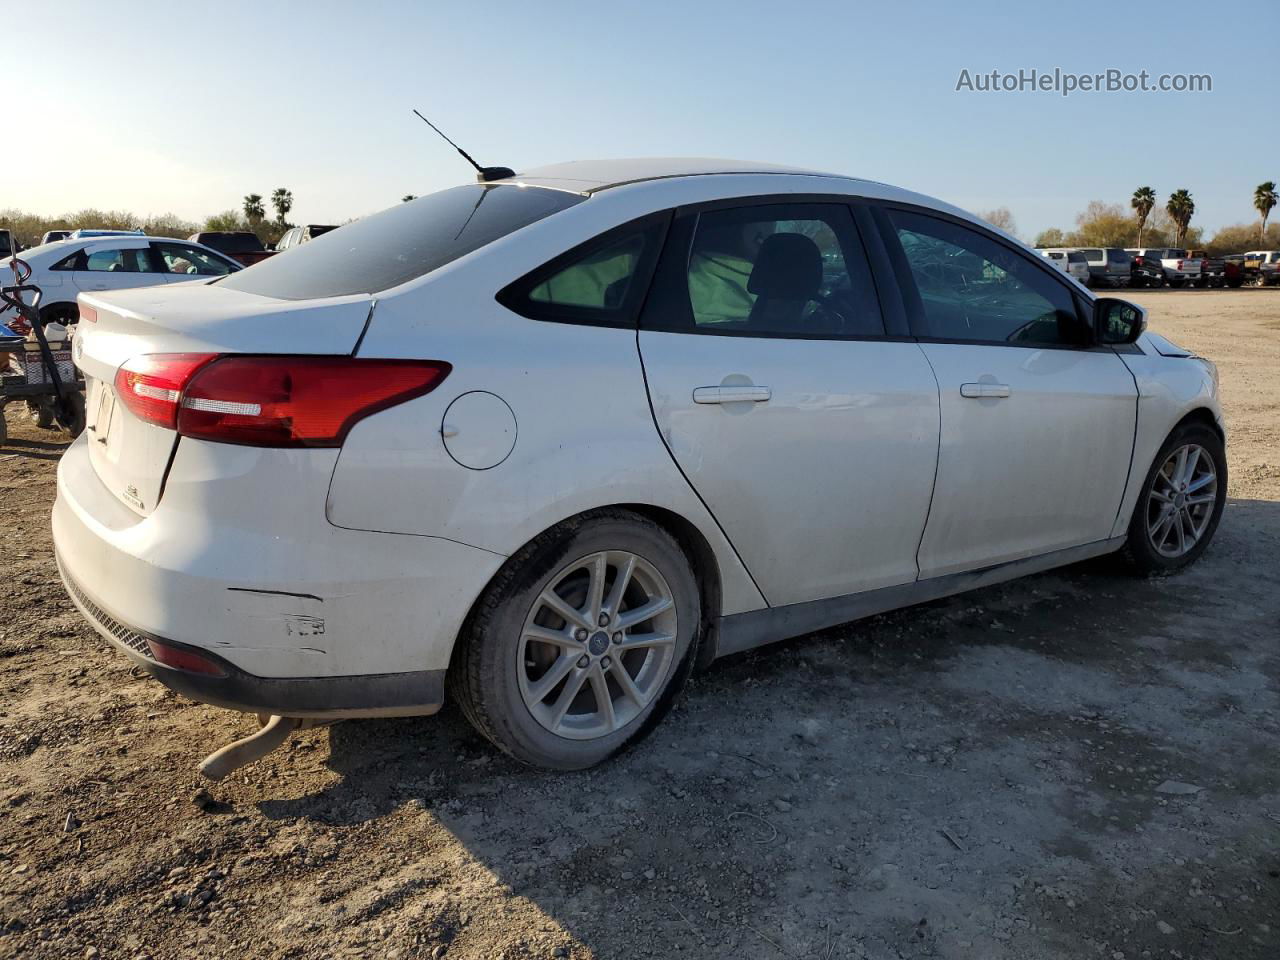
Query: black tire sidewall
[[1137, 546], [497, 707]]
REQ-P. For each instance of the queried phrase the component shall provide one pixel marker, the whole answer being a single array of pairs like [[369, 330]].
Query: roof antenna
[[484, 174]]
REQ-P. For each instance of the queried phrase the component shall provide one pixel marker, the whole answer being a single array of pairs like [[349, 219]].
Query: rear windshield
[[5, 249], [1075, 256], [231, 242], [1092, 254], [1175, 254], [1117, 256], [401, 242]]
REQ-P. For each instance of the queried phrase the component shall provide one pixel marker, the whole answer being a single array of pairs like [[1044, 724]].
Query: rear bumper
[[238, 561], [411, 693]]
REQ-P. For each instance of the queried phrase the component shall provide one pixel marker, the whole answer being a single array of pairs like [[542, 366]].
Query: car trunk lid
[[131, 456]]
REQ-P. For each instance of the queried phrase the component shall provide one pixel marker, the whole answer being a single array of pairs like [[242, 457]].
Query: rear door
[[115, 264], [1037, 424], [809, 431]]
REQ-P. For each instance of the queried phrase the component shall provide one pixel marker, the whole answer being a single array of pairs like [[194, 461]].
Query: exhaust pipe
[[253, 747]]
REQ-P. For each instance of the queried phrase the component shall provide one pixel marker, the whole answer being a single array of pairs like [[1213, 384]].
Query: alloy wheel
[[597, 646], [1184, 493]]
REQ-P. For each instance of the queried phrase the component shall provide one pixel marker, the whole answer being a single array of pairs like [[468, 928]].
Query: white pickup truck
[[1179, 269]]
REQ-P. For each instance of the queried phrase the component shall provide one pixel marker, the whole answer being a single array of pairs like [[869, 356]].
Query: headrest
[[789, 267]]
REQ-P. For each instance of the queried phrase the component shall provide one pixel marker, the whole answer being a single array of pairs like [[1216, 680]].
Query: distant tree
[[282, 200], [225, 222], [253, 211], [1181, 209], [1143, 199], [1002, 218], [1102, 225], [1053, 237], [1264, 200], [407, 197], [1239, 237]]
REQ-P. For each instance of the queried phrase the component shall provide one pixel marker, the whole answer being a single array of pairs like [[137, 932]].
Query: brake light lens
[[151, 385], [180, 658], [297, 401]]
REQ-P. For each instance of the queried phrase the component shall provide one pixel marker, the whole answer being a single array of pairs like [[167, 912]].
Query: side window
[[113, 261], [974, 288], [180, 258], [780, 270], [73, 261], [601, 281]]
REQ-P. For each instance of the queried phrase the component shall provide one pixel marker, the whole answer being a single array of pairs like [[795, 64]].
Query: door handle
[[984, 390], [736, 394]]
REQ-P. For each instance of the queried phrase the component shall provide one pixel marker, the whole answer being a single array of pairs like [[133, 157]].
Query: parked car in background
[[7, 246], [1070, 261], [303, 492], [53, 236], [241, 245], [1108, 266], [297, 235], [1179, 269], [1267, 266], [1213, 270], [96, 232], [65, 269], [1144, 271]]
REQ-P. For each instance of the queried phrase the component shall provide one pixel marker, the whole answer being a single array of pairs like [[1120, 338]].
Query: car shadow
[[33, 449], [720, 821]]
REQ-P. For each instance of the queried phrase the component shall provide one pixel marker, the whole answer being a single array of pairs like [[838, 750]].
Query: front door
[[811, 436], [1037, 423]]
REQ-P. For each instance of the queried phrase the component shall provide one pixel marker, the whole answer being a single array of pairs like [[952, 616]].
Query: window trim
[[680, 240], [911, 293], [654, 227]]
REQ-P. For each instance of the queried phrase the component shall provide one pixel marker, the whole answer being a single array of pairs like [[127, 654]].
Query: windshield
[[231, 242], [401, 243]]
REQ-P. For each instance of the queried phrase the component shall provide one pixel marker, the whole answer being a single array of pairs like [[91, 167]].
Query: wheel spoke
[[1179, 466], [556, 638], [561, 607], [1193, 528], [604, 701], [1193, 460], [595, 590], [1177, 528], [571, 688], [638, 641], [1161, 524], [620, 583], [1160, 496], [629, 618], [1201, 482], [627, 684], [1202, 498], [555, 673]]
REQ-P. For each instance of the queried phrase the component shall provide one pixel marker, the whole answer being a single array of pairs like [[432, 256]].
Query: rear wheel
[[1181, 503], [581, 643]]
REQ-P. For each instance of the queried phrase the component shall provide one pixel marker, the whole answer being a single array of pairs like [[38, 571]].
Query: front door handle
[[984, 390], [735, 394]]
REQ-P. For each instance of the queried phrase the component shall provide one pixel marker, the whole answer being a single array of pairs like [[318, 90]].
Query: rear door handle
[[984, 390], [752, 392]]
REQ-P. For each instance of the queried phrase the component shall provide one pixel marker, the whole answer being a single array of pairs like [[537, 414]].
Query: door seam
[[937, 460], [653, 416]]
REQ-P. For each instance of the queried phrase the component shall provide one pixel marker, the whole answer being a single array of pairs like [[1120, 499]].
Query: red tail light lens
[[183, 659], [297, 401], [151, 385]]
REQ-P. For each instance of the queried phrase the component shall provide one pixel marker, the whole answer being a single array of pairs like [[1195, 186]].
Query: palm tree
[[1180, 209], [1142, 201], [253, 211], [282, 200], [1264, 199], [407, 197]]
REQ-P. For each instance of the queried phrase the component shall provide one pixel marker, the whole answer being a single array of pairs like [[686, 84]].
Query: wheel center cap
[[598, 643], [1179, 500]]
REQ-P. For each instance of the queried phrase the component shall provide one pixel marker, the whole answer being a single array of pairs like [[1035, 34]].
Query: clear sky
[[160, 107]]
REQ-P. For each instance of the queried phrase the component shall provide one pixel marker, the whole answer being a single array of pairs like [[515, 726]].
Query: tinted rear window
[[231, 242], [1117, 256], [1092, 254], [1076, 256], [401, 242]]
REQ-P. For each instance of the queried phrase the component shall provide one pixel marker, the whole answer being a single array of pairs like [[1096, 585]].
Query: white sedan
[[551, 442], [64, 269]]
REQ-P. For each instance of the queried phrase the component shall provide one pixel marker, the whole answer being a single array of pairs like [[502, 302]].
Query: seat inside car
[[787, 276]]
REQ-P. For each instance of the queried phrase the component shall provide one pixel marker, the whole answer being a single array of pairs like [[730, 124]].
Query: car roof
[[590, 176]]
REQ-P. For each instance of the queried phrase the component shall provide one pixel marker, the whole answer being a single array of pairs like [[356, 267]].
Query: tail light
[[1180, 264], [269, 401], [180, 658]]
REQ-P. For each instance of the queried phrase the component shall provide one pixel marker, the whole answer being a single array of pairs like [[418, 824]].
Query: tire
[[41, 413], [4, 427], [63, 313], [1177, 282], [1140, 550], [75, 409], [498, 664]]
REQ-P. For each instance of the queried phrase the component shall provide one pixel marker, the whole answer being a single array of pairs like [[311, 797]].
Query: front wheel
[[581, 642], [1181, 503]]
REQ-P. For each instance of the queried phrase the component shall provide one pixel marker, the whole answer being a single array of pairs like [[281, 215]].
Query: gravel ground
[[1074, 765]]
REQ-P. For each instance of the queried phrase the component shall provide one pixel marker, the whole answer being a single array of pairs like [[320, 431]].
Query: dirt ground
[[1075, 765]]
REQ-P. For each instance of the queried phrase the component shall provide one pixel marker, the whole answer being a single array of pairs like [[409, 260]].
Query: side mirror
[[1117, 321]]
